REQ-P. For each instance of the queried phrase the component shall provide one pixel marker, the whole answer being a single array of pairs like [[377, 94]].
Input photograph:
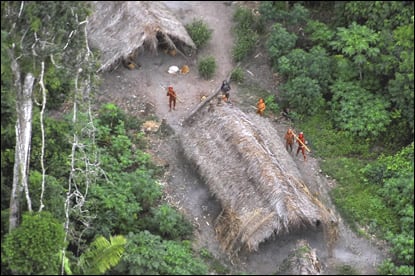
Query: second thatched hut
[[119, 29]]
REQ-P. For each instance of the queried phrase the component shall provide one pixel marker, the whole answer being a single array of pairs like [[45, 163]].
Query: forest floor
[[142, 93]]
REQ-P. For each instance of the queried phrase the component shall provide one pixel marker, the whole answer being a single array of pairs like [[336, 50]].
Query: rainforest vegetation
[[81, 191]]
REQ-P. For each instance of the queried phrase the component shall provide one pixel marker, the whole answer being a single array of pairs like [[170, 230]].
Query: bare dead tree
[[83, 152], [42, 127], [23, 136]]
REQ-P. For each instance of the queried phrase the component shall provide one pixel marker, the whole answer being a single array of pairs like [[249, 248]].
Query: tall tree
[[38, 34], [23, 135]]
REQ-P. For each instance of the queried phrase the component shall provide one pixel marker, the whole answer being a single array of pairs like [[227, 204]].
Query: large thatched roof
[[118, 28], [243, 161]]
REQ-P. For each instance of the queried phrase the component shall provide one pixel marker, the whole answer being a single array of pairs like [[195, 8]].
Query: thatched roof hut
[[246, 166], [119, 28]]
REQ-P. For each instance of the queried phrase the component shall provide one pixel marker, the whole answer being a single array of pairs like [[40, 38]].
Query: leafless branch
[[42, 127]]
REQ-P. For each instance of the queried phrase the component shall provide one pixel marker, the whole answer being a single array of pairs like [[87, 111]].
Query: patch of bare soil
[[142, 93]]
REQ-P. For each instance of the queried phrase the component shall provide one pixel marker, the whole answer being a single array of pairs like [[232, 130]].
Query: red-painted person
[[172, 97], [301, 145]]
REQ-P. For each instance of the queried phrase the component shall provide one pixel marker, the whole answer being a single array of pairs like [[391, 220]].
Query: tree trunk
[[22, 150]]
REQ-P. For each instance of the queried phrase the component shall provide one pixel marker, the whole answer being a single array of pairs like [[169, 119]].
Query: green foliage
[[388, 167], [357, 42], [394, 175], [292, 17], [110, 115], [387, 267], [33, 247], [207, 67], [272, 105], [199, 32], [246, 29], [51, 23], [319, 33], [359, 203], [115, 204], [102, 255], [292, 64], [327, 142], [403, 246], [280, 42], [56, 144], [148, 190], [303, 95], [237, 74], [401, 87], [244, 45], [246, 20], [53, 195], [379, 15], [269, 9], [344, 69], [316, 65], [169, 223], [148, 254], [354, 109]]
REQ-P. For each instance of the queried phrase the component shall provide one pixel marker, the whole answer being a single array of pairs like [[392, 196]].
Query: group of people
[[225, 88], [290, 137]]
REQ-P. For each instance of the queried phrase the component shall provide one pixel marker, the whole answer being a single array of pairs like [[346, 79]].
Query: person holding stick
[[289, 140], [172, 97], [301, 145]]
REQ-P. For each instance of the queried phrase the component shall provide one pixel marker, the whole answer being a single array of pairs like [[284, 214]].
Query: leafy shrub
[[246, 20], [403, 246], [272, 104], [319, 33], [33, 247], [246, 29], [199, 32], [110, 115], [115, 206], [170, 223], [148, 254], [387, 267], [237, 74], [245, 43], [356, 110], [280, 42], [207, 67], [303, 95], [314, 64], [328, 142], [269, 9]]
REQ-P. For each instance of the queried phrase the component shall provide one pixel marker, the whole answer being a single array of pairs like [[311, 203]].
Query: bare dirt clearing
[[142, 93]]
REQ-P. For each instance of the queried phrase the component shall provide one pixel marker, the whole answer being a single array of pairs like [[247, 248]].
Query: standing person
[[301, 144], [260, 107], [225, 88], [172, 97], [289, 139]]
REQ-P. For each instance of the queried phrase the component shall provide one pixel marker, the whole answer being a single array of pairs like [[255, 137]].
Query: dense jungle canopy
[[81, 196]]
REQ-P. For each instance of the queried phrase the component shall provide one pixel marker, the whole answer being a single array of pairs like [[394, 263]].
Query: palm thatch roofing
[[246, 166], [119, 28]]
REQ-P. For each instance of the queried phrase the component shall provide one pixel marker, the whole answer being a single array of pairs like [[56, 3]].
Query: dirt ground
[[142, 92]]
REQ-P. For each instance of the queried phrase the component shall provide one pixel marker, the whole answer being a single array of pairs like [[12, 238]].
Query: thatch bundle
[[303, 260], [246, 166], [119, 28]]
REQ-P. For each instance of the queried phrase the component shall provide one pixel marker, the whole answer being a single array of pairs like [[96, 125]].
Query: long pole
[[177, 97], [298, 139]]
